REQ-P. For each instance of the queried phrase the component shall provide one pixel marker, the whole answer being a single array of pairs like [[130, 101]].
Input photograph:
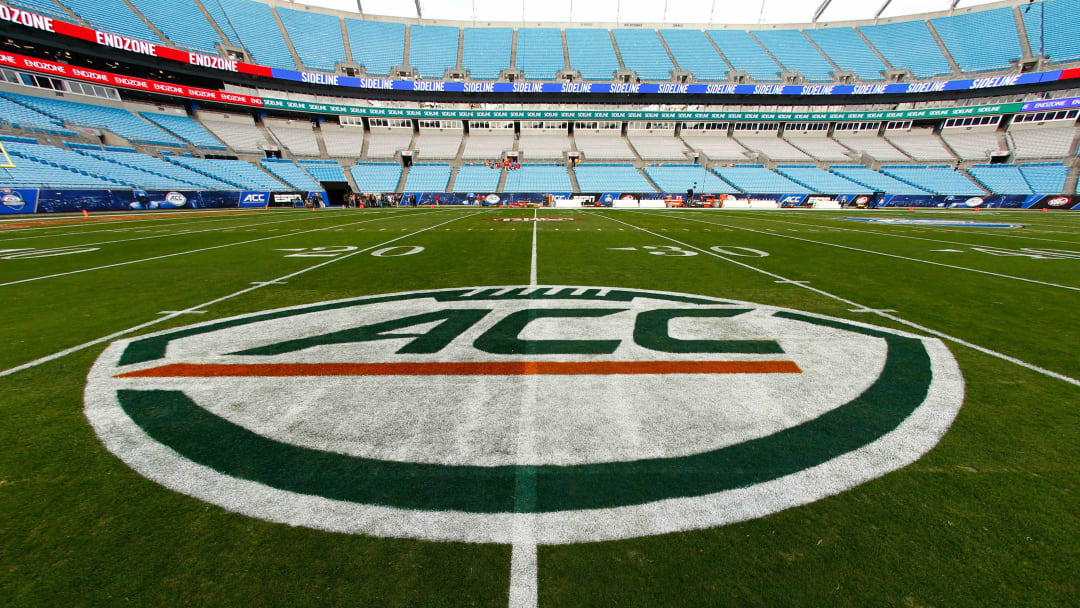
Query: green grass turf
[[988, 518]]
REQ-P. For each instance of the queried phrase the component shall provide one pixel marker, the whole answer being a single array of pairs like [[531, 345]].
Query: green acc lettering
[[503, 337], [652, 331], [452, 323]]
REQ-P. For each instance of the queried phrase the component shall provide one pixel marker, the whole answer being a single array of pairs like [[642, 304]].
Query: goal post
[[5, 160]]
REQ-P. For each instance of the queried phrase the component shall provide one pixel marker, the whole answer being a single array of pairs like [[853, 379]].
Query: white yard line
[[198, 307], [880, 313], [888, 255], [532, 267], [524, 589], [171, 255]]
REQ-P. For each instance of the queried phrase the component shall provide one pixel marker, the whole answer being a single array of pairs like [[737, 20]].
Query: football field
[[540, 407]]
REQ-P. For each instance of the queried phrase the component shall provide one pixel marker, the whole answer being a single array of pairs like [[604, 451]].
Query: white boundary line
[[870, 251], [177, 313], [194, 221], [880, 313], [306, 217], [532, 267], [99, 223], [179, 253]]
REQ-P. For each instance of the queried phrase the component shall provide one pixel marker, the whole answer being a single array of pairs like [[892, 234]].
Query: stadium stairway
[[1071, 180], [618, 53], [149, 24], [404, 178], [285, 37], [944, 49]]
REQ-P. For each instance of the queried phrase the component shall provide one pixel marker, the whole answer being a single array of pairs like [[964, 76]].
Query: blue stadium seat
[[1045, 178], [820, 180], [181, 22], [759, 180], [379, 46], [909, 45], [795, 52], [186, 129], [935, 179], [540, 52], [680, 178], [746, 55], [123, 123], [591, 53], [45, 7], [217, 13], [258, 31], [477, 178], [1001, 179], [113, 16], [694, 53], [26, 118], [981, 41], [611, 178], [874, 180], [239, 173], [315, 36], [849, 51], [119, 176], [433, 49], [30, 172], [324, 170], [425, 177], [644, 53], [291, 174], [538, 178], [376, 177], [152, 164], [1059, 34], [486, 51]]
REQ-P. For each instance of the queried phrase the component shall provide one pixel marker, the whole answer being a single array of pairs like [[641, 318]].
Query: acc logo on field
[[592, 413]]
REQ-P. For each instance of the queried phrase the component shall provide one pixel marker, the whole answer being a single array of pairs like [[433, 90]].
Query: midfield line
[[870, 251], [880, 313], [524, 587], [171, 255], [177, 313]]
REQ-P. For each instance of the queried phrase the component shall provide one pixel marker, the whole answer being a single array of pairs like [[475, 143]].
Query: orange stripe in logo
[[491, 368]]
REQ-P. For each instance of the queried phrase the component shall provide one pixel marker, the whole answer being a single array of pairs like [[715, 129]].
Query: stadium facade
[[110, 104]]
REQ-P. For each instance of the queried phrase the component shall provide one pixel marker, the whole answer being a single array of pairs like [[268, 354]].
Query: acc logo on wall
[[596, 413], [12, 200]]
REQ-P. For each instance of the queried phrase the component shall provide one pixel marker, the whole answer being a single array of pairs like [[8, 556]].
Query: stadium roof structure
[[712, 12]]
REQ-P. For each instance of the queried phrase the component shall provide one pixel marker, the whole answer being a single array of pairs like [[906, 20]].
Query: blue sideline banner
[[18, 200], [249, 198]]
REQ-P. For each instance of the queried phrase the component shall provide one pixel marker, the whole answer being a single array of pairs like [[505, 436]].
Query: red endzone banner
[[128, 82], [116, 41]]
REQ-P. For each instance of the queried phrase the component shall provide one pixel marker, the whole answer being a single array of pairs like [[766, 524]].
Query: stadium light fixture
[[821, 9], [882, 9]]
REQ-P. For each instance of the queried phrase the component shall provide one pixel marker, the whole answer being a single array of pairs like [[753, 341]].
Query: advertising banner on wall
[[250, 198], [18, 200]]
